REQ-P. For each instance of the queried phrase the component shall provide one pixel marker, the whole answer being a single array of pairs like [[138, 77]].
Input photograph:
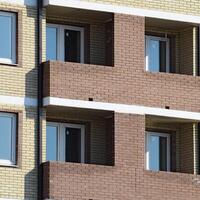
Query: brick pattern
[[106, 84], [96, 35], [126, 180], [186, 51], [20, 182], [182, 159], [96, 127], [186, 7]]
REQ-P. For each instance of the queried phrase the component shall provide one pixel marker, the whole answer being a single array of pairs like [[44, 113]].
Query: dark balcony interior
[[182, 146], [98, 31], [183, 43], [99, 131]]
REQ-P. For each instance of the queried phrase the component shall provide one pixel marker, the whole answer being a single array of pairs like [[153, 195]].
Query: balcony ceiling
[[166, 24], [81, 13], [166, 120], [59, 110]]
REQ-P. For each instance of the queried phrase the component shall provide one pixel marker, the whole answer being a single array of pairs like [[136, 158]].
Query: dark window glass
[[163, 153], [163, 60], [73, 145], [72, 46]]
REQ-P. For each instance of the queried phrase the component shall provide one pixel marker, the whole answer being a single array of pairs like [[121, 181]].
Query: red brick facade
[[127, 179], [126, 83]]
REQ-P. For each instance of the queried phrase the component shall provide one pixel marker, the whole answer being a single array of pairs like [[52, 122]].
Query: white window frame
[[147, 51], [147, 145], [61, 43], [62, 138], [13, 38], [12, 161]]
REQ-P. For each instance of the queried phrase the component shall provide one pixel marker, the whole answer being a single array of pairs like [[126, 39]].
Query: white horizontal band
[[10, 199], [21, 101], [123, 10], [121, 108], [20, 2]]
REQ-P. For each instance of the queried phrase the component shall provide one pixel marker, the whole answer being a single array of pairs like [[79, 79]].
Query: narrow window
[[7, 38], [51, 43], [65, 142], [52, 142], [65, 43], [7, 138], [157, 54], [158, 151]]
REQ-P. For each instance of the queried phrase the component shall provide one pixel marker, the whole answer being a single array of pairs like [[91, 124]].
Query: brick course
[[126, 180], [127, 82]]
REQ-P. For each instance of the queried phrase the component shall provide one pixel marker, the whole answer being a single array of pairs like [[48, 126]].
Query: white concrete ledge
[[121, 108], [123, 10], [20, 2], [20, 101]]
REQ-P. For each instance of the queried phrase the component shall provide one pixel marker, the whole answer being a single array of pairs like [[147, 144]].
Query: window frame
[[147, 50], [147, 150], [13, 59], [61, 139], [12, 161], [61, 43]]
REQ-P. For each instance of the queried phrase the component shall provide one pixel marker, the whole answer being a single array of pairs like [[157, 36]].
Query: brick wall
[[20, 182], [126, 180], [185, 6], [96, 127], [186, 51], [127, 82], [96, 35], [182, 158], [186, 148]]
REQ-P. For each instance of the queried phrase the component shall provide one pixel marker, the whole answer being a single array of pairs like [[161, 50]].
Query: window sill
[[9, 64], [2, 164]]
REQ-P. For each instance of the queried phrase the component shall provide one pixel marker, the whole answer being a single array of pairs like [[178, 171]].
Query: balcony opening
[[82, 36], [170, 145], [171, 46], [80, 136]]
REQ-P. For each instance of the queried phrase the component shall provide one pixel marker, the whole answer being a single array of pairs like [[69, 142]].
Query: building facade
[[99, 100]]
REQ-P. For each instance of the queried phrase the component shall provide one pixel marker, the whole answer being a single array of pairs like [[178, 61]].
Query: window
[[65, 43], [8, 38], [157, 151], [157, 54], [65, 142], [7, 138]]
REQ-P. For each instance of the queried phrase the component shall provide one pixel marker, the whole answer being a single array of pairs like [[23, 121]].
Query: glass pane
[[72, 46], [163, 63], [73, 145], [154, 61], [163, 153], [5, 37], [51, 143], [5, 138], [51, 43], [154, 153]]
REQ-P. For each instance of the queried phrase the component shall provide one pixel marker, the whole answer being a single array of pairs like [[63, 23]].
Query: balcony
[[127, 81], [84, 181], [120, 85], [128, 178], [174, 43]]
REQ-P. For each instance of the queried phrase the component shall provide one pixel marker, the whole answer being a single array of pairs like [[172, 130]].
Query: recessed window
[[157, 54], [65, 43], [157, 151], [65, 142], [8, 38], [7, 139]]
